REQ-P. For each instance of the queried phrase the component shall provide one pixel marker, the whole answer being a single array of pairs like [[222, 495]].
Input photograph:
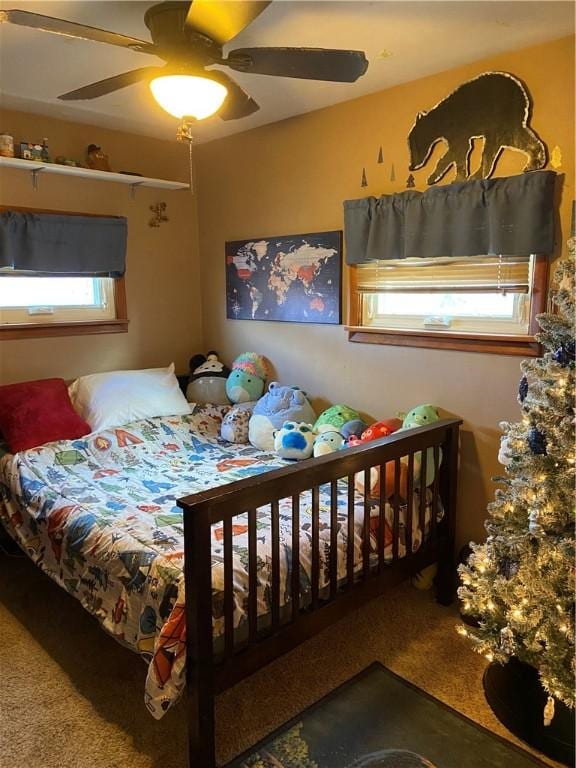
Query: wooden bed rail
[[345, 580], [231, 499]]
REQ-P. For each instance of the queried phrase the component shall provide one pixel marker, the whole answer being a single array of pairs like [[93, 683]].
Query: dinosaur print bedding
[[99, 516]]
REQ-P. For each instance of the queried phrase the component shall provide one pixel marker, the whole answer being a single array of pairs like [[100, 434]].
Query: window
[[488, 303], [49, 302], [56, 306]]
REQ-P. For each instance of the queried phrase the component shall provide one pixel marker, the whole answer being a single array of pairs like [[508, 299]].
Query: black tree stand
[[516, 697]]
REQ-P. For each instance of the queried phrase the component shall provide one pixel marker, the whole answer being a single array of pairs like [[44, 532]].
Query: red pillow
[[36, 412]]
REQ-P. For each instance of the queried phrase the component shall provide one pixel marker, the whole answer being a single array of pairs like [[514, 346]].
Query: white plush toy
[[328, 442], [294, 440], [235, 424]]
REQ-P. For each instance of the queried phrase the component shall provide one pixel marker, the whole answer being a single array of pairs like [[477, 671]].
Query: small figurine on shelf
[[45, 154], [96, 159], [30, 151], [6, 145]]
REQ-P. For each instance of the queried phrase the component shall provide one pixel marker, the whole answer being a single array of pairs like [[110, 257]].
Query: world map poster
[[293, 278]]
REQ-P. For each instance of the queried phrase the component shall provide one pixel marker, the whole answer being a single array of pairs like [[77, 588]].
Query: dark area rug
[[378, 720]]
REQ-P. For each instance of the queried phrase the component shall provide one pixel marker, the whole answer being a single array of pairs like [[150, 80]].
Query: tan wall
[[292, 177], [162, 277]]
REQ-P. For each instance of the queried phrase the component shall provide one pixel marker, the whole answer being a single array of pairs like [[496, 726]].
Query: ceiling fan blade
[[305, 63], [71, 29], [115, 83], [221, 20], [237, 103]]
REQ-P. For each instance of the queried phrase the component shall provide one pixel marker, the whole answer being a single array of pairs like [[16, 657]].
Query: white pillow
[[116, 398]]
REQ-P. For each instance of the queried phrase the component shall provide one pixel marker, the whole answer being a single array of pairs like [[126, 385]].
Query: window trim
[[503, 344], [119, 324]]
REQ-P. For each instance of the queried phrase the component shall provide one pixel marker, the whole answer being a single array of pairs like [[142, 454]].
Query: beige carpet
[[71, 697]]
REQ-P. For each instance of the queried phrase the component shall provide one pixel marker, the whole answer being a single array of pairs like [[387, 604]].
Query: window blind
[[448, 275]]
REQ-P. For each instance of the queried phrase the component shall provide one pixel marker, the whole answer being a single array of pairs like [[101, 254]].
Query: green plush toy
[[245, 384], [336, 419], [420, 416]]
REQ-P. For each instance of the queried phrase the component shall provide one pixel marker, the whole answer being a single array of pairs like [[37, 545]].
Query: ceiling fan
[[189, 36]]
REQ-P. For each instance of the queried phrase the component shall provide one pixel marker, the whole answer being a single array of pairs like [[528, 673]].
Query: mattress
[[99, 516]]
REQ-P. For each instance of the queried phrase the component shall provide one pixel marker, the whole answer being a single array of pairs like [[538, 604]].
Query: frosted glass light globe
[[188, 95]]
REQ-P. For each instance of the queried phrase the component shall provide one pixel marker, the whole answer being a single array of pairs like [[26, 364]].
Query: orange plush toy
[[374, 431], [390, 481]]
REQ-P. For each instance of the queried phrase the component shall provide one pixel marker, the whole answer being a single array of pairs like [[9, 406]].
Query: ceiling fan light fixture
[[188, 95]]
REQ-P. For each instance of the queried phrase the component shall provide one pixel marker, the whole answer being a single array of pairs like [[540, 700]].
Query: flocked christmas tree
[[520, 583]]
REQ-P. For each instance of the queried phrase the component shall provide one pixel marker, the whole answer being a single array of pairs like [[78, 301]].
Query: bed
[[275, 551]]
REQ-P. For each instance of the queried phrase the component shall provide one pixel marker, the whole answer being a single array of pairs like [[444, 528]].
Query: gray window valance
[[489, 217], [60, 244]]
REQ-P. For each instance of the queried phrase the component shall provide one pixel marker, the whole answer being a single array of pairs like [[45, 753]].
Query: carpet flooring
[[71, 697]]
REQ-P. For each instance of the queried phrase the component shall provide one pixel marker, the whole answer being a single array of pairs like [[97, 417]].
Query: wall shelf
[[35, 167]]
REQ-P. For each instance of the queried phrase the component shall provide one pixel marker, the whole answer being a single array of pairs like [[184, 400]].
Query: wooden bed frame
[[209, 672]]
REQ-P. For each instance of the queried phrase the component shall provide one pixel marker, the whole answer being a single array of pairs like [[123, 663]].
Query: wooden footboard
[[208, 671]]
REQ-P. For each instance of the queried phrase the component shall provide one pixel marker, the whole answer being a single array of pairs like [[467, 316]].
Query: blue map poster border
[[264, 281]]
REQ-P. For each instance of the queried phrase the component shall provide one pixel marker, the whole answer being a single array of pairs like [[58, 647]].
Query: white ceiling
[[403, 40]]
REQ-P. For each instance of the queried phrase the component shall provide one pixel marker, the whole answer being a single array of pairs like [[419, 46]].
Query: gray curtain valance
[[63, 244], [510, 216]]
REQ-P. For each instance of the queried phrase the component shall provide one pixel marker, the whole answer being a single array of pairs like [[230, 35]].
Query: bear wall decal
[[495, 106]]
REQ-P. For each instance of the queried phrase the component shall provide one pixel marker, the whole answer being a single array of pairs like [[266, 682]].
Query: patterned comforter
[[99, 516]]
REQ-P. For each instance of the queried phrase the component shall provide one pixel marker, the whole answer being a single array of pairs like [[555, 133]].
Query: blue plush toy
[[294, 441], [279, 404]]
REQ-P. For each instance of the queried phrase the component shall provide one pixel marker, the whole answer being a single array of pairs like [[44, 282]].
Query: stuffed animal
[[244, 386], [338, 418], [294, 440], [375, 431], [235, 423], [207, 382], [425, 579], [379, 429], [353, 428], [279, 404], [390, 483], [419, 417], [328, 442], [246, 381]]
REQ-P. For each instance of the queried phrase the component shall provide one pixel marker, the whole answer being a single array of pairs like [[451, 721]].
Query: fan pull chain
[[191, 165], [184, 133]]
